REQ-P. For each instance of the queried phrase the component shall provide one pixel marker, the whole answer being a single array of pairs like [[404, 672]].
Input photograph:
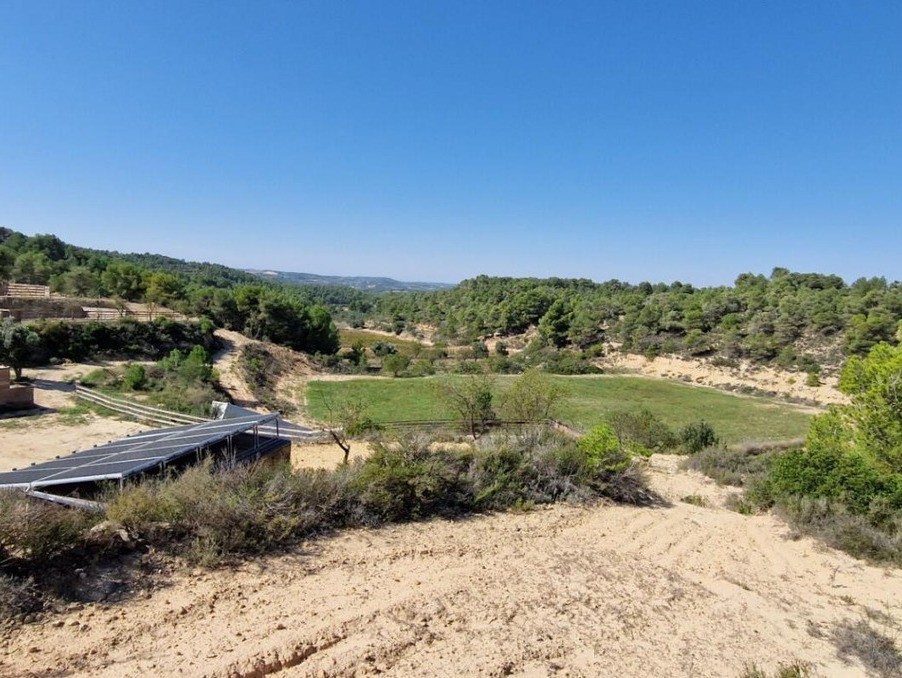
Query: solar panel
[[133, 455]]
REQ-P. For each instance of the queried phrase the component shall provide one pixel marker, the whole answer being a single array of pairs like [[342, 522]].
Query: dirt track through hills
[[226, 363], [609, 590]]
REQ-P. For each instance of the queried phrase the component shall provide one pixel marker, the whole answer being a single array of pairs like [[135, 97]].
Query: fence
[[129, 408], [162, 417], [21, 290]]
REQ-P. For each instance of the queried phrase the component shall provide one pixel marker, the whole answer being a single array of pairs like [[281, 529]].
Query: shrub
[[395, 364], [696, 436], [603, 449], [730, 467], [695, 500], [384, 348], [35, 531], [500, 478], [134, 378], [411, 482], [831, 473], [642, 431], [833, 523]]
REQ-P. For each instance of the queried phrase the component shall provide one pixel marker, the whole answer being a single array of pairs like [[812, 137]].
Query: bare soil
[[745, 375], [46, 432], [607, 590]]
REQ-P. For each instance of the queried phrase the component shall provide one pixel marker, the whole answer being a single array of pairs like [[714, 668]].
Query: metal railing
[[153, 415]]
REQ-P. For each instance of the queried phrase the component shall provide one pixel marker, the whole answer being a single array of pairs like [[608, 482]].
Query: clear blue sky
[[439, 140]]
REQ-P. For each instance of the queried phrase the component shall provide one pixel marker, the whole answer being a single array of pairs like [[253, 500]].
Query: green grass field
[[736, 419]]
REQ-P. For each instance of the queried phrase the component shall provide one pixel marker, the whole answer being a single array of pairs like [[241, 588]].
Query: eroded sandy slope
[[608, 590]]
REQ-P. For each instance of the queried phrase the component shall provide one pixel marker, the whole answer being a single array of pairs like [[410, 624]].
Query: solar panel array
[[130, 456]]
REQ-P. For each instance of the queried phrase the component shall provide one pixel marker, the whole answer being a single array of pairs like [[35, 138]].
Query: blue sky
[[422, 140]]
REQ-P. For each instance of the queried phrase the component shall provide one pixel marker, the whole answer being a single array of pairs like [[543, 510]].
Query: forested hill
[[800, 320], [792, 319], [294, 316], [364, 283]]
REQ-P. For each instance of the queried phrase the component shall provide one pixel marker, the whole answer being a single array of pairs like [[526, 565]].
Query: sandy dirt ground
[[701, 372], [681, 590], [48, 432]]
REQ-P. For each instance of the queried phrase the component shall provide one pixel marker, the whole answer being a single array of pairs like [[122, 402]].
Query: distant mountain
[[356, 282]]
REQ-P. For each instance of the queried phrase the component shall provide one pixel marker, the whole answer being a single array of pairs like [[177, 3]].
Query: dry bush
[[35, 532], [729, 467], [832, 523], [794, 669], [875, 650], [18, 597]]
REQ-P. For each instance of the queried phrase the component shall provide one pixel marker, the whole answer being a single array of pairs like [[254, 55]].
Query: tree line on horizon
[[788, 318], [285, 314], [795, 320]]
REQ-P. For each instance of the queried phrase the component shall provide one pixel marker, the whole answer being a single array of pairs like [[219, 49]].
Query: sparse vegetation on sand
[[845, 485], [860, 640], [208, 518]]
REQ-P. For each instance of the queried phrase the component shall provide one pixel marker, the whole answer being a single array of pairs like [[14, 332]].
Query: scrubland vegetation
[[208, 518], [183, 381], [837, 476], [845, 484], [803, 321], [284, 314]]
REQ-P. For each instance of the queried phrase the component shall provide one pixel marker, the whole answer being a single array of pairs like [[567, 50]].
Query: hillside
[[804, 322], [364, 283]]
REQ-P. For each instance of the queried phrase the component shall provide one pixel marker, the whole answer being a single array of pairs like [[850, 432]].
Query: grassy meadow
[[736, 419]]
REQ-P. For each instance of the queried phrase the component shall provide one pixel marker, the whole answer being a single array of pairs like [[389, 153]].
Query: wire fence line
[[163, 417], [154, 415]]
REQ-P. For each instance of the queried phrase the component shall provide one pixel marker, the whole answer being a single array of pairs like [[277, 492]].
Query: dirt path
[[225, 361], [678, 591]]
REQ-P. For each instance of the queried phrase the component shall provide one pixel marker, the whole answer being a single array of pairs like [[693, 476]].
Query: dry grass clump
[[729, 466], [863, 536], [794, 669], [35, 532], [864, 642]]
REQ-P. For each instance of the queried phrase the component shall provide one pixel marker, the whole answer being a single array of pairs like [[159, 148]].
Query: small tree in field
[[532, 397], [348, 418], [470, 400]]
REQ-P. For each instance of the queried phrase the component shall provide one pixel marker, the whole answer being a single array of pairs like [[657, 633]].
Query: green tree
[[874, 415], [162, 288], [33, 268], [17, 345], [396, 364], [7, 259], [470, 400], [348, 418], [555, 324], [533, 396], [78, 281], [123, 279]]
